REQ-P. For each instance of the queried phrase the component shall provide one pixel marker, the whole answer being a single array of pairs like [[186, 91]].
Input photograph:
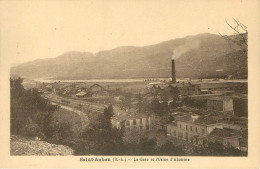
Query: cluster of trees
[[159, 108], [126, 101], [241, 107], [30, 113], [143, 104], [100, 137], [216, 149], [197, 103]]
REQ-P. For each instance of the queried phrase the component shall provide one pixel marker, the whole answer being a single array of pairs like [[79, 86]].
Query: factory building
[[220, 104], [200, 130]]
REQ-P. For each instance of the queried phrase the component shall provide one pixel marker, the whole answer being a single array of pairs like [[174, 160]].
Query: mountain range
[[200, 56]]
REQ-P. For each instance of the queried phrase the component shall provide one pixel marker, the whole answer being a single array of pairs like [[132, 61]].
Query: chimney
[[173, 72]]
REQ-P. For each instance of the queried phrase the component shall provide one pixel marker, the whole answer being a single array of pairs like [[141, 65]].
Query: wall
[[139, 123], [215, 105], [233, 141], [228, 104], [229, 141], [212, 127], [186, 134], [199, 137]]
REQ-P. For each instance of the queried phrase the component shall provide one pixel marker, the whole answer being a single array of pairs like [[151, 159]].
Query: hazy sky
[[42, 29]]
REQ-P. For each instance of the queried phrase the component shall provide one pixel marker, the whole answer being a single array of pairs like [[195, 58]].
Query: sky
[[31, 30]]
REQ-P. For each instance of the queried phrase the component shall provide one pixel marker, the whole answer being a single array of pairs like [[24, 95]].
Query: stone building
[[201, 130], [224, 86], [220, 104], [185, 89], [226, 136], [138, 121]]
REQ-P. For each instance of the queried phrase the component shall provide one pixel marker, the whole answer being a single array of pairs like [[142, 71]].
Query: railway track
[[86, 105]]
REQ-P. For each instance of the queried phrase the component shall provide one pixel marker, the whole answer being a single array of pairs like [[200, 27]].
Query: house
[[96, 88], [200, 130], [83, 94], [187, 88], [135, 121], [175, 89], [98, 91], [220, 104], [226, 136]]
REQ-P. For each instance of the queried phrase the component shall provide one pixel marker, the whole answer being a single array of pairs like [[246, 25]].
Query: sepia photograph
[[102, 79]]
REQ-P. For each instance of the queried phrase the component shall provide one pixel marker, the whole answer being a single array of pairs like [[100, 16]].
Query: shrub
[[32, 130], [28, 104]]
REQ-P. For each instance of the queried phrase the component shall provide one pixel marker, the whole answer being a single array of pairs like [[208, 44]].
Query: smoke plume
[[180, 50]]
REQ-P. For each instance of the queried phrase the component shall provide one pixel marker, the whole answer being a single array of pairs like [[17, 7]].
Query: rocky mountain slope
[[196, 57]]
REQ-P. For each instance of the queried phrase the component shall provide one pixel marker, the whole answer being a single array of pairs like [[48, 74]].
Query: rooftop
[[203, 120], [130, 116], [225, 132]]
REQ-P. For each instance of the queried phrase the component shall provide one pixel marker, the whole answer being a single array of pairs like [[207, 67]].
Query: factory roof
[[218, 85]]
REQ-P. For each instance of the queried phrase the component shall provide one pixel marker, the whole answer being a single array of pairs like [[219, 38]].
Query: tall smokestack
[[173, 72]]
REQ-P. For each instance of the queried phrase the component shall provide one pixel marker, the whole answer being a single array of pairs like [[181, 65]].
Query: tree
[[106, 119], [126, 102], [28, 108], [100, 138], [240, 32], [142, 104], [155, 106], [164, 108], [109, 112], [139, 103], [216, 149]]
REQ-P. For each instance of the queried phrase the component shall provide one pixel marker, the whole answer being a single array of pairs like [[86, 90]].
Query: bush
[[32, 130], [28, 104], [197, 103]]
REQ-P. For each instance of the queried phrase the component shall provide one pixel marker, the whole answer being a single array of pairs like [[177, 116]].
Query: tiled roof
[[205, 120], [130, 116], [225, 132]]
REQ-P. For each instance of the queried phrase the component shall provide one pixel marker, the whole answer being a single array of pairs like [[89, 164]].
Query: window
[[175, 132], [180, 135], [190, 128], [186, 127], [140, 120], [196, 129], [180, 125], [186, 138], [134, 122]]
